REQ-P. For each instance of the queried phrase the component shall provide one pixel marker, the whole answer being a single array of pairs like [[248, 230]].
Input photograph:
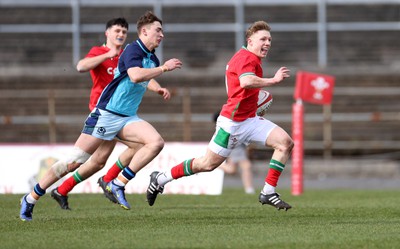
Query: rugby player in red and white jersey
[[238, 124], [101, 61]]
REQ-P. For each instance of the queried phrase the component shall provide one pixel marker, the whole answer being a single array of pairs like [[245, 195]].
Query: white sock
[[118, 182], [164, 177], [30, 199], [268, 189]]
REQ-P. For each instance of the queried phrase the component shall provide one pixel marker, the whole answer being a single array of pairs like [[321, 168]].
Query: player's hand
[[172, 64], [165, 93], [112, 53], [282, 74]]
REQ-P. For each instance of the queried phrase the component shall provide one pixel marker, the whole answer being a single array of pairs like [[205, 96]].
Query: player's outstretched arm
[[139, 74]]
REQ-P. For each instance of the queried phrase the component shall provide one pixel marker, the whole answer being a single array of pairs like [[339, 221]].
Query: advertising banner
[[22, 166]]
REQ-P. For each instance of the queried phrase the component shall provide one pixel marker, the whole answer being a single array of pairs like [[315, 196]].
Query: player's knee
[[60, 168], [157, 145], [287, 145], [98, 161], [71, 162], [77, 155], [291, 145]]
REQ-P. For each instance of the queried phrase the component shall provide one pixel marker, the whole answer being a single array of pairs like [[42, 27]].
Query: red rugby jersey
[[102, 74], [241, 103]]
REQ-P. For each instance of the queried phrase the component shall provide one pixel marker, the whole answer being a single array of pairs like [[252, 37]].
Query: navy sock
[[128, 173], [38, 190]]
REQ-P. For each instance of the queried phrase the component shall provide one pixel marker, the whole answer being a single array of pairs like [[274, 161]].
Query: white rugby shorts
[[229, 134]]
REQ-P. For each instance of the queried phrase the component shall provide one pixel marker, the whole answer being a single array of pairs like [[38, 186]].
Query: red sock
[[67, 186], [275, 170], [182, 169], [272, 177], [113, 172]]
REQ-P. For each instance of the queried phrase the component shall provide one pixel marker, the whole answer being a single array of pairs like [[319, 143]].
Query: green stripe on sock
[[119, 164], [186, 167], [77, 177], [276, 165]]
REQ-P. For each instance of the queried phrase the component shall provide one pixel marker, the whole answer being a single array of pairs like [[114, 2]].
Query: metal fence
[[321, 26]]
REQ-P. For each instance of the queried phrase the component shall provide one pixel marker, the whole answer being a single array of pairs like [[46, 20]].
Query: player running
[[101, 61], [238, 123], [116, 115]]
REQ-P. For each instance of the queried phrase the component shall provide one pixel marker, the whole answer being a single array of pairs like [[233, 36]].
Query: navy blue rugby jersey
[[122, 96]]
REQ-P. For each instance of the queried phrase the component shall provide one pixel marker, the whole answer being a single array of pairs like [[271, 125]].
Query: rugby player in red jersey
[[238, 124]]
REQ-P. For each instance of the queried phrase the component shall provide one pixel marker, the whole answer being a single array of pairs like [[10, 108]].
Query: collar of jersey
[[143, 47], [245, 48]]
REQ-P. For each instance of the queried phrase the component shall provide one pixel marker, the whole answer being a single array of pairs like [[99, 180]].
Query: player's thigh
[[140, 132], [258, 131], [131, 145], [102, 153], [88, 143], [126, 156]]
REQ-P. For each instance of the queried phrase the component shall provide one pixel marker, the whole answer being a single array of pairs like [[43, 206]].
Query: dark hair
[[147, 18], [120, 21]]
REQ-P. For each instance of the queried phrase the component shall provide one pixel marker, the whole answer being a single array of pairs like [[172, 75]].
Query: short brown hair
[[147, 18], [257, 26]]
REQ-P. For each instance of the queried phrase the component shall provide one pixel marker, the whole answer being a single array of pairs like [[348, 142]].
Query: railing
[[188, 117], [322, 26]]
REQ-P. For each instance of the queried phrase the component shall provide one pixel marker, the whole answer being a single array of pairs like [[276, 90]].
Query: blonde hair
[[257, 26]]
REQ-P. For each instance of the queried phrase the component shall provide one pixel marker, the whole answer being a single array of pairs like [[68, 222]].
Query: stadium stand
[[43, 99]]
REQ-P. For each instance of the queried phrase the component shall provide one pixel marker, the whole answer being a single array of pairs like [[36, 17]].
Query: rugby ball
[[264, 102]]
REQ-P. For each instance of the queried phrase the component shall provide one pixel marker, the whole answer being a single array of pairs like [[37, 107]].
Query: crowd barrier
[[22, 166]]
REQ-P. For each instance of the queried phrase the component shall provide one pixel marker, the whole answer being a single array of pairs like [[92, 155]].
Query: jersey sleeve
[[94, 51], [246, 67], [132, 57]]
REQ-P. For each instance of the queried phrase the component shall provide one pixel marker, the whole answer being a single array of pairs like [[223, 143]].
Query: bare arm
[[138, 74], [252, 81], [89, 63], [155, 87]]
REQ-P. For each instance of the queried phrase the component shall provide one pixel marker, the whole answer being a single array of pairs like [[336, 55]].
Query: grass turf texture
[[319, 219]]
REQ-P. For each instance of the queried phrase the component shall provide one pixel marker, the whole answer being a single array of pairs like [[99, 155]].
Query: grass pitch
[[318, 219]]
